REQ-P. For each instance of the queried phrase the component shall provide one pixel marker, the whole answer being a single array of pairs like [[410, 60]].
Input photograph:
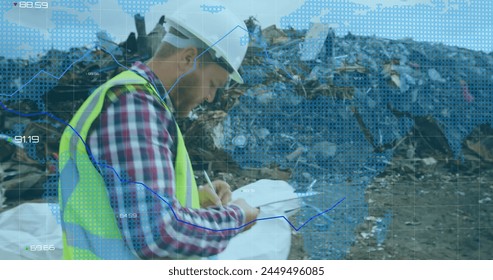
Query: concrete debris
[[317, 37], [240, 141], [263, 133], [322, 151], [105, 42], [435, 76], [482, 148], [429, 161]]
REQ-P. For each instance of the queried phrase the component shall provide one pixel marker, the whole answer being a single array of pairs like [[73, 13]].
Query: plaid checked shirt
[[137, 137]]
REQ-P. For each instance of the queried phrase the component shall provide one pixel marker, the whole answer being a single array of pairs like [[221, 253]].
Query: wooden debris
[[352, 68], [17, 178], [294, 155], [274, 35], [267, 173]]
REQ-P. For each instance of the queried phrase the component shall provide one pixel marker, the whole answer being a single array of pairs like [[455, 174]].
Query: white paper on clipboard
[[267, 239]]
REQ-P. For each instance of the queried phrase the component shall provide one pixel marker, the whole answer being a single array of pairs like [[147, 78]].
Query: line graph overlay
[[167, 90], [265, 51]]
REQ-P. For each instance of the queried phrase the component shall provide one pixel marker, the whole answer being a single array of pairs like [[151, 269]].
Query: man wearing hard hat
[[127, 189]]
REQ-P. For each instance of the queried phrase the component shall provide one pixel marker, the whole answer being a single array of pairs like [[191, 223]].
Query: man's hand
[[208, 197], [251, 213], [222, 196]]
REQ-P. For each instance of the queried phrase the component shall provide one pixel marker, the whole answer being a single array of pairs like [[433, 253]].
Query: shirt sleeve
[[133, 138]]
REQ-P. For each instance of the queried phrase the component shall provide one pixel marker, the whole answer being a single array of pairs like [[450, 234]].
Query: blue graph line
[[47, 73], [144, 185], [91, 157], [123, 66]]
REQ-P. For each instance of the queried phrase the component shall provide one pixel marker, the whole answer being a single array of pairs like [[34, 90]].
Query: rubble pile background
[[327, 113], [337, 116]]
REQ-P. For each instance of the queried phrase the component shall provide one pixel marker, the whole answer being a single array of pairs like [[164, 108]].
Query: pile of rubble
[[325, 102], [334, 111]]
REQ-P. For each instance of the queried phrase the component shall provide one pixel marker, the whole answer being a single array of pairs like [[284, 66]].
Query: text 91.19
[[33, 5], [26, 139]]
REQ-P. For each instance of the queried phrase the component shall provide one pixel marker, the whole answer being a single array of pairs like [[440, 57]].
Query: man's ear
[[186, 59]]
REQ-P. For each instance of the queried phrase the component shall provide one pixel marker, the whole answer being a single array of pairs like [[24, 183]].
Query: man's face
[[199, 86]]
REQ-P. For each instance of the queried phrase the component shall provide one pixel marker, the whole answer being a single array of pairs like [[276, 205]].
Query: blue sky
[[67, 24]]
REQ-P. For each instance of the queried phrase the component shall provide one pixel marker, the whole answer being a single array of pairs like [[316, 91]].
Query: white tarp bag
[[30, 231]]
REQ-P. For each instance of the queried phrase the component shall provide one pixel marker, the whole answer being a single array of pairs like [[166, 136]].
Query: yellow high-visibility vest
[[90, 229]]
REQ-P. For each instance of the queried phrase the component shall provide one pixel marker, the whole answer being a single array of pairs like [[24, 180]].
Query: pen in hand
[[209, 181]]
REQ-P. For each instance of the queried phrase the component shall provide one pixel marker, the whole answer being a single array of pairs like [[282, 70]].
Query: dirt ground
[[438, 211], [442, 215]]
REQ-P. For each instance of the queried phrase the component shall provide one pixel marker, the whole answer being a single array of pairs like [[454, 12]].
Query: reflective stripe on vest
[[90, 229]]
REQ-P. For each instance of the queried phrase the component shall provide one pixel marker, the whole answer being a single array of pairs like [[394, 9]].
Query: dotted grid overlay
[[94, 202], [274, 119], [30, 80], [138, 6]]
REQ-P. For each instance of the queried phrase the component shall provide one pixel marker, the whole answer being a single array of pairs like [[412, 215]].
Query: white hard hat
[[217, 27]]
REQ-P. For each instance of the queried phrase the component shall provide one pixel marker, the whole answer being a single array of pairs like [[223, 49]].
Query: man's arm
[[133, 138]]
